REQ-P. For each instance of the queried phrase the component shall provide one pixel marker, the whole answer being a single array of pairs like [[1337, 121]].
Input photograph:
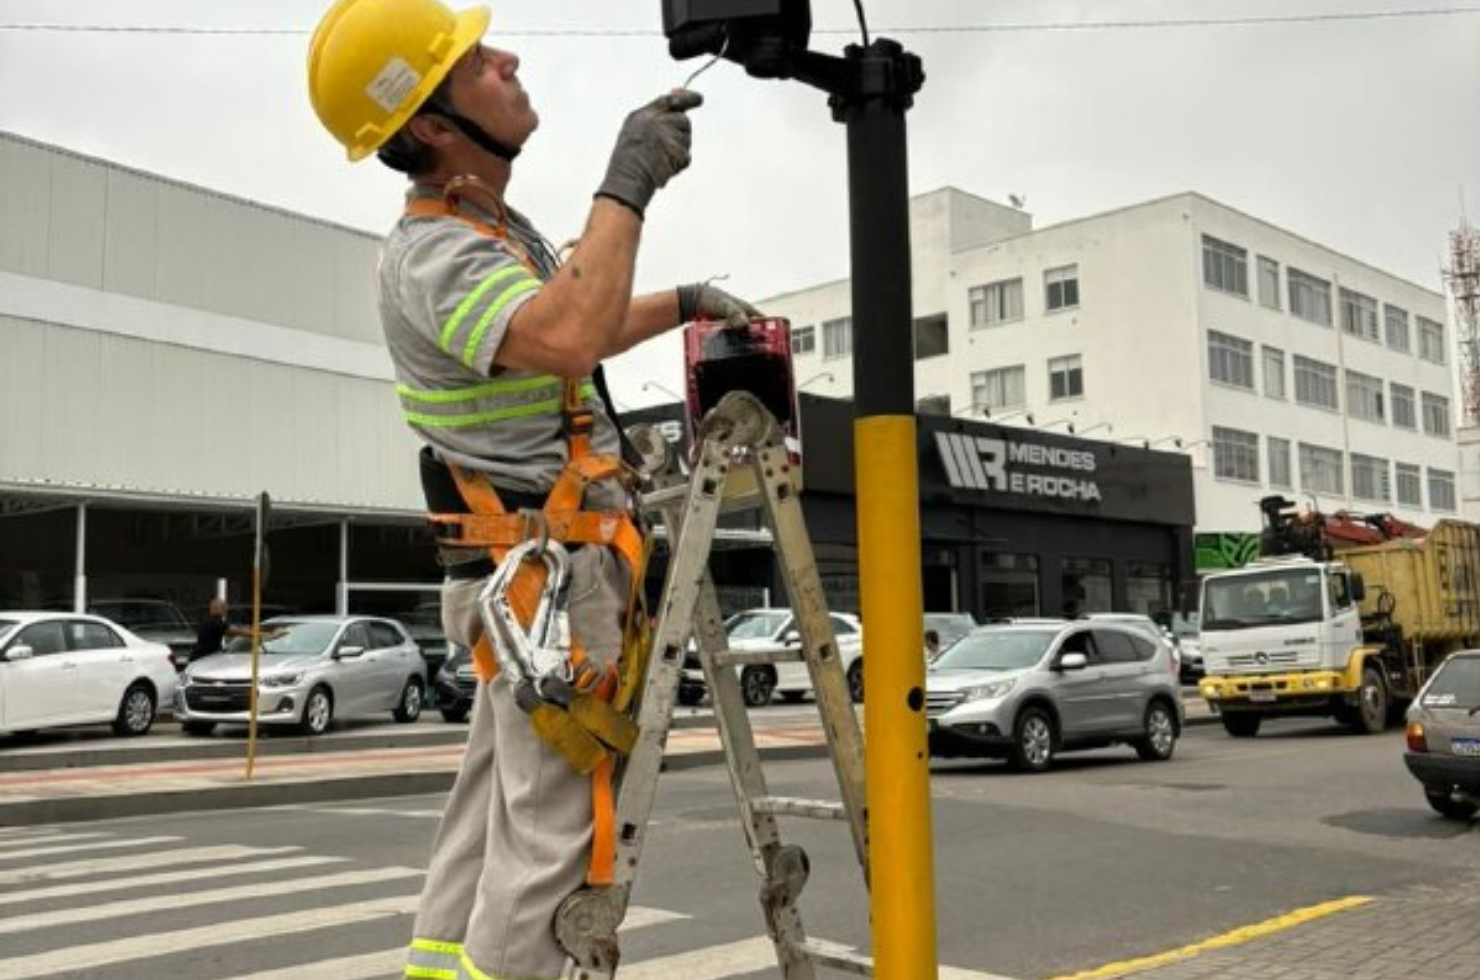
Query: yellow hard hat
[[372, 63]]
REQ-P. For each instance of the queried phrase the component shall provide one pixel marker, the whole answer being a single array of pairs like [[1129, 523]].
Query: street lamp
[[654, 386], [828, 375]]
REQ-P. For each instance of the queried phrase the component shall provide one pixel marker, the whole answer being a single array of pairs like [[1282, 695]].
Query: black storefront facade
[[1014, 521]]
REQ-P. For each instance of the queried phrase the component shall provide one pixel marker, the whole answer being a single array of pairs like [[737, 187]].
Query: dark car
[[1444, 737], [424, 623], [152, 619], [455, 684]]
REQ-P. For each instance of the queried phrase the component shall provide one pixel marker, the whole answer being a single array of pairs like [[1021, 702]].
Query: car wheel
[[855, 681], [1371, 713], [1447, 806], [455, 715], [1160, 740], [201, 728], [135, 712], [756, 686], [1033, 739], [690, 696], [409, 708], [1241, 724], [318, 712]]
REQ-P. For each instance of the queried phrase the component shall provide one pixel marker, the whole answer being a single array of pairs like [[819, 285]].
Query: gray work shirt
[[447, 292]]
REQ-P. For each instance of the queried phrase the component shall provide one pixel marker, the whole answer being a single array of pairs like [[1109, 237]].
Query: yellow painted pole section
[[902, 893]]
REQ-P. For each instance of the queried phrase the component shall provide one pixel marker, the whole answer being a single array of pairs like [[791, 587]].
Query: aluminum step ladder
[[741, 463]]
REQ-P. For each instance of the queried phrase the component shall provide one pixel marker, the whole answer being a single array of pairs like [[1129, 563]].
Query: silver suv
[[1027, 691]]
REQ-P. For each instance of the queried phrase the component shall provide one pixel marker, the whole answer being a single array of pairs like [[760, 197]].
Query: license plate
[[1262, 697], [1465, 746]]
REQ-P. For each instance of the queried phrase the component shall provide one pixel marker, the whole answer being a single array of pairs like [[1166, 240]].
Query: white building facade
[[1277, 365]]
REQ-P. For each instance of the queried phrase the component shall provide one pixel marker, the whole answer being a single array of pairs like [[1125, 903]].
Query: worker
[[492, 339]]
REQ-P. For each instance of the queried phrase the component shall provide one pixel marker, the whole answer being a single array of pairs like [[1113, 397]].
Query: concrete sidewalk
[[126, 778], [199, 778]]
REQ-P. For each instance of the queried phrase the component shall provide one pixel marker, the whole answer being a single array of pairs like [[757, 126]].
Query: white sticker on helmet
[[395, 81]]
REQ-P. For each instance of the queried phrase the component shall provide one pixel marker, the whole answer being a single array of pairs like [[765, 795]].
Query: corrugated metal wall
[[81, 403]]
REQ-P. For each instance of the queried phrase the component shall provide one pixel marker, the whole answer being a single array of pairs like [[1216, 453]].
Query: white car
[[776, 629], [312, 670], [60, 668]]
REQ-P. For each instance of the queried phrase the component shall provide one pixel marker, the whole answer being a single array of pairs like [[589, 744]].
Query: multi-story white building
[[1278, 365]]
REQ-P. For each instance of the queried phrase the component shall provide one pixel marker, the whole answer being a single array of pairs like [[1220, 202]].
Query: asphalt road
[[1037, 876]]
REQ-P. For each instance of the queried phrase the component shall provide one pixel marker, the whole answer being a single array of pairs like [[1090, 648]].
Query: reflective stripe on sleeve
[[428, 959], [522, 282], [493, 401]]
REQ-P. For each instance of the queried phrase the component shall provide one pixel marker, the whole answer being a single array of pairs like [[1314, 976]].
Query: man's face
[[485, 87]]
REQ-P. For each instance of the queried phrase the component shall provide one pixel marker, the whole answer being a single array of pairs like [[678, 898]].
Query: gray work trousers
[[515, 838]]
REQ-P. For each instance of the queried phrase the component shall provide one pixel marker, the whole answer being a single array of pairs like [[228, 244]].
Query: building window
[[1359, 315], [1395, 326], [1235, 455], [1065, 377], [1269, 283], [932, 336], [1061, 288], [1230, 360], [1148, 587], [1000, 388], [1009, 585], [1225, 266], [996, 303], [804, 340], [837, 338], [1279, 461], [1364, 396], [1431, 340], [1441, 490], [1086, 586], [1310, 298], [1410, 487], [1315, 383], [1370, 478], [1274, 373], [1320, 469], [1405, 416], [1435, 415]]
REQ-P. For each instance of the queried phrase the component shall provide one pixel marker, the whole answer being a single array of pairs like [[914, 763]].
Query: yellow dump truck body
[[1434, 583]]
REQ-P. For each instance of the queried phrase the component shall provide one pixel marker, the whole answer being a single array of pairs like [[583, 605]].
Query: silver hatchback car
[[313, 669], [1028, 691]]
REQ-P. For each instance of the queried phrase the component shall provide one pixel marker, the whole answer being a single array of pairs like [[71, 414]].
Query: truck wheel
[[1447, 806], [1370, 716], [1241, 724]]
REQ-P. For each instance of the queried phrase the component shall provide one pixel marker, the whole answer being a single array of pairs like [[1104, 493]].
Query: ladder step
[[834, 955], [792, 806], [744, 658]]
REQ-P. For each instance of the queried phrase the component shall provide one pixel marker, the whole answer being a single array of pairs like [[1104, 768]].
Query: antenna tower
[[1463, 277]]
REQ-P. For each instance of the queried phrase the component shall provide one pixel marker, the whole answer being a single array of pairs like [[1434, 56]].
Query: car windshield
[[1457, 685], [755, 625], [6, 625], [949, 625], [141, 615], [997, 649], [289, 639], [1285, 595]]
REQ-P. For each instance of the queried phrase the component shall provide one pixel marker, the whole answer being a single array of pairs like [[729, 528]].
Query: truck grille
[[210, 696], [1271, 660]]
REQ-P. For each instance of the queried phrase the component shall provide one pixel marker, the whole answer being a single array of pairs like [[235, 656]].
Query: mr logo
[[978, 463]]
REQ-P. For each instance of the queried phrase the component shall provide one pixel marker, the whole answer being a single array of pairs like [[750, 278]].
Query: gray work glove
[[652, 146], [701, 301]]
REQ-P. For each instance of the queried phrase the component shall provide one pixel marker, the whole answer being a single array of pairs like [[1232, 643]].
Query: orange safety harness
[[604, 692]]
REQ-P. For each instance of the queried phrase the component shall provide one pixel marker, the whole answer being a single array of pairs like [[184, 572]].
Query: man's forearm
[[648, 316]]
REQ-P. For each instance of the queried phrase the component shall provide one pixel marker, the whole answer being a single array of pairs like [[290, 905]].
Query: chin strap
[[478, 135]]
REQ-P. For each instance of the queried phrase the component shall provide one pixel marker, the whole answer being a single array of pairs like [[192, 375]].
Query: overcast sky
[[1362, 134]]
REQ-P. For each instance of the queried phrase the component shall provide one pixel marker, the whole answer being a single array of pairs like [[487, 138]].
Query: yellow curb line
[[1234, 938]]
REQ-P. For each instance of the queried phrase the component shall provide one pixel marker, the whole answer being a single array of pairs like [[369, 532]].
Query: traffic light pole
[[871, 87]]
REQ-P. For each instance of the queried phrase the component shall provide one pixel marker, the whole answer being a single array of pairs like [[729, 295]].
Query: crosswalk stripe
[[71, 960], [136, 882], [711, 963], [365, 811], [134, 862], [389, 962], [9, 842], [180, 900], [105, 845]]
